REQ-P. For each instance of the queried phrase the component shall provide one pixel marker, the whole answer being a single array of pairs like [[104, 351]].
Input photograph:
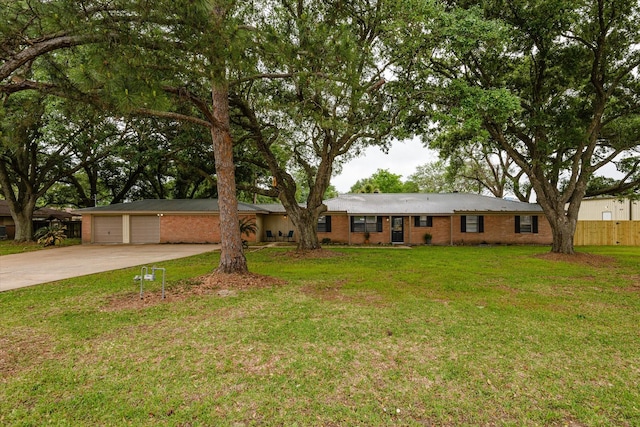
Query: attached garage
[[107, 229], [145, 229], [160, 221]]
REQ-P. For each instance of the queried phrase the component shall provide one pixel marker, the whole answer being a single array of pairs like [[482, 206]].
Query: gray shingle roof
[[271, 207], [354, 204], [425, 203], [167, 205], [38, 213]]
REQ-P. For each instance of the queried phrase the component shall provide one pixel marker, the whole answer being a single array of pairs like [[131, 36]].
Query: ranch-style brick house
[[451, 219]]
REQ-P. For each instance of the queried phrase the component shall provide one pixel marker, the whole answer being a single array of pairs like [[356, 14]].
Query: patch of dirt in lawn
[[221, 284], [580, 258], [334, 292], [317, 253], [23, 348], [635, 284]]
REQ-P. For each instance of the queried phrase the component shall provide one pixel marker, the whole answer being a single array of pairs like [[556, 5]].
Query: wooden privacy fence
[[607, 233]]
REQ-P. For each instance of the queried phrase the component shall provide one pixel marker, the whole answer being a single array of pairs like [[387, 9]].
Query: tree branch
[[172, 116], [45, 46]]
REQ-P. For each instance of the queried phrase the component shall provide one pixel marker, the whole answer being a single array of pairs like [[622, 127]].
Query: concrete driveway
[[49, 265]]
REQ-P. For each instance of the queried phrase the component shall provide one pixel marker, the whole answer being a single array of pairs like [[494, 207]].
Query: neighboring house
[[41, 217], [609, 208], [454, 218]]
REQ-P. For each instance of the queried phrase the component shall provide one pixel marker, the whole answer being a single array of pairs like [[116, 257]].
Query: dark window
[[366, 223], [324, 224], [526, 224], [423, 221], [472, 224]]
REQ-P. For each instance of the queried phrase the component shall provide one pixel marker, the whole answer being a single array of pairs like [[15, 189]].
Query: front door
[[397, 229]]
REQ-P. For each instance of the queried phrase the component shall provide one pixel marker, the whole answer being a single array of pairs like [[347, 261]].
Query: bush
[[51, 235]]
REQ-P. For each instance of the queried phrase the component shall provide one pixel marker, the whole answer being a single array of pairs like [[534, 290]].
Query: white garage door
[[107, 229], [145, 229]]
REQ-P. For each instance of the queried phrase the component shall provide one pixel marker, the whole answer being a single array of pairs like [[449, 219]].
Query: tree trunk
[[563, 229], [305, 222], [232, 259], [305, 219], [562, 218], [22, 214], [24, 227]]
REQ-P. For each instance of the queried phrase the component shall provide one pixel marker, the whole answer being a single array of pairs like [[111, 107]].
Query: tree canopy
[[382, 181], [317, 97], [553, 84], [517, 96]]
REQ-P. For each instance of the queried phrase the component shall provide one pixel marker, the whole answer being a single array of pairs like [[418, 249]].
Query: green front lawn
[[429, 336], [8, 247]]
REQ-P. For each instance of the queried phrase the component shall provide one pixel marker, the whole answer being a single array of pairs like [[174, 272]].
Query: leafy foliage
[[438, 177], [51, 235], [382, 181], [550, 93], [316, 98], [248, 226]]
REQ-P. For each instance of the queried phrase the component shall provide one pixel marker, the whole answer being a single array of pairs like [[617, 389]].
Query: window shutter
[[480, 223], [429, 221], [463, 223], [534, 224], [416, 221], [379, 225], [351, 223], [327, 224], [517, 223]]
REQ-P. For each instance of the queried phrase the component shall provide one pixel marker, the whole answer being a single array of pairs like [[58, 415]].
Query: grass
[[8, 247], [428, 336]]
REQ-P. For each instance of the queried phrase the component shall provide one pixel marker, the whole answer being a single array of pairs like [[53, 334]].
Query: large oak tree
[[319, 97], [554, 84]]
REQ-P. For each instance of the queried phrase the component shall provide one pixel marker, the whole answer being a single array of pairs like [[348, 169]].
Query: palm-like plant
[[247, 227], [50, 235]]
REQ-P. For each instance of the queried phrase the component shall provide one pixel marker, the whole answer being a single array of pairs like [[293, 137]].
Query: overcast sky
[[403, 159]]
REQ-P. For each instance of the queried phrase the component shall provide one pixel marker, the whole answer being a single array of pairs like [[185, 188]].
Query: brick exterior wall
[[87, 221], [498, 229], [195, 229], [339, 229], [189, 229], [440, 231], [205, 228]]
